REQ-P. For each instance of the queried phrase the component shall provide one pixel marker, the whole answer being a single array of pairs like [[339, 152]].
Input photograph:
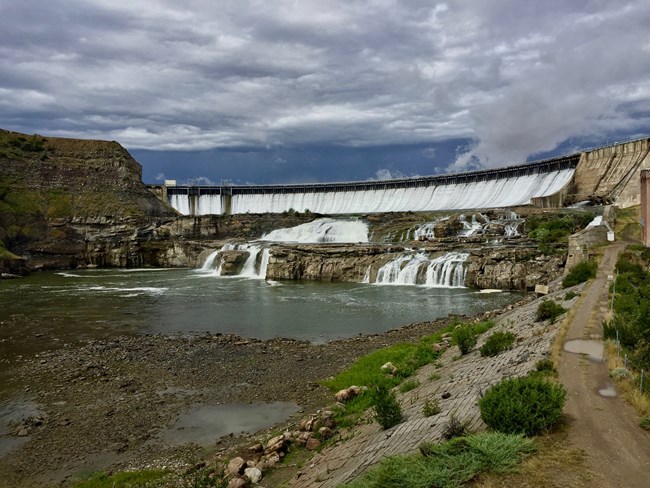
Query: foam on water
[[322, 231]]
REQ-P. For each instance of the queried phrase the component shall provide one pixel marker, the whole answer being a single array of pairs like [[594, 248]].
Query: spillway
[[502, 187]]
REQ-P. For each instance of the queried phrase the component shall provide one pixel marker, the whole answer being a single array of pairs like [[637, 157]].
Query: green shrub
[[529, 405], [645, 422], [431, 407], [497, 342], [549, 309], [387, 409], [545, 364], [448, 464], [408, 385], [570, 295], [580, 273], [465, 337], [455, 428]]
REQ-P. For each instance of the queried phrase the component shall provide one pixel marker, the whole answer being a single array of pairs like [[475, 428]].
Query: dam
[[608, 174]]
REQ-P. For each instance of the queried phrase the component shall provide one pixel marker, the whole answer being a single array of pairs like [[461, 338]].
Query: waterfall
[[264, 263], [418, 269], [248, 269], [425, 232], [366, 277], [209, 262], [322, 231], [249, 266], [447, 271]]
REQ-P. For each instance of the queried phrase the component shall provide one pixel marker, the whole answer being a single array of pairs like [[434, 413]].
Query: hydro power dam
[[608, 174]]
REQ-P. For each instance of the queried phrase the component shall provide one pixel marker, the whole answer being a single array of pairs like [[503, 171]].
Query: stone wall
[[582, 244]]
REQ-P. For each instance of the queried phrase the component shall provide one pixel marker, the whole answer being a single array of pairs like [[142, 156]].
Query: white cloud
[[517, 77]]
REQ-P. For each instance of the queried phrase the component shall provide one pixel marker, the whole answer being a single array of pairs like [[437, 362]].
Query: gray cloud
[[518, 78]]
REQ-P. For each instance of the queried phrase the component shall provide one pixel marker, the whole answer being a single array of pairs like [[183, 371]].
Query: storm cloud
[[515, 78]]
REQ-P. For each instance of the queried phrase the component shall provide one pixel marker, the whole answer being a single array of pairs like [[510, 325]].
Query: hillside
[[48, 183]]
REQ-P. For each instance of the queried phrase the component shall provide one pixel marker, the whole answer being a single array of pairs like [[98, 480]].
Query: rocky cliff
[[48, 185]]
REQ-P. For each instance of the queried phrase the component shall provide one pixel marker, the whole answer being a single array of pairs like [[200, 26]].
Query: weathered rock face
[[512, 269], [327, 263], [503, 268]]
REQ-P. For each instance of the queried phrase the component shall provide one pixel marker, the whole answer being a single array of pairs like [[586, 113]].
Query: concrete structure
[[582, 245], [607, 174], [645, 206]]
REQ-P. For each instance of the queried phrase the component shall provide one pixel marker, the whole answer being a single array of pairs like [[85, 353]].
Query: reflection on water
[[204, 424], [47, 310], [12, 412]]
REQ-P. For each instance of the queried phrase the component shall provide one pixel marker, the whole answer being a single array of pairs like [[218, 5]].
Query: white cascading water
[[504, 192], [209, 262], [322, 231], [318, 231], [470, 229], [510, 222], [248, 269], [446, 271]]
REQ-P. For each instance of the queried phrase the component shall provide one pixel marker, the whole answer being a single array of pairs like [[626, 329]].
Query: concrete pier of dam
[[608, 174]]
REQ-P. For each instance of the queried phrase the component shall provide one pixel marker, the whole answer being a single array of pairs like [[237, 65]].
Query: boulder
[[253, 474], [271, 460], [236, 483], [235, 466], [347, 394], [312, 443], [389, 368], [276, 444], [325, 432]]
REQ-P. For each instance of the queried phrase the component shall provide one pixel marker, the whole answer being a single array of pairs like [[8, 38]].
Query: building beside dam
[[608, 174]]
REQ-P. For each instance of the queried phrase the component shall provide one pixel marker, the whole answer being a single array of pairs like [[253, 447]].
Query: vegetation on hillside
[[631, 302], [580, 273], [551, 231], [406, 357], [529, 405], [449, 464], [19, 146]]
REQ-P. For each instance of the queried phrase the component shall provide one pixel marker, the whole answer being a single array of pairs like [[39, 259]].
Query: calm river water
[[47, 310]]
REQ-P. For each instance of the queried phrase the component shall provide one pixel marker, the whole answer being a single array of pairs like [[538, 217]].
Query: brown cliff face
[[46, 184]]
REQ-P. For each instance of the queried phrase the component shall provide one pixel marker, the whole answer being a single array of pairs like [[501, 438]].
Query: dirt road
[[601, 423]]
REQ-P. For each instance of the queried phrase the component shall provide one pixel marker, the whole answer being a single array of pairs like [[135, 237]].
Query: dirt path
[[605, 427]]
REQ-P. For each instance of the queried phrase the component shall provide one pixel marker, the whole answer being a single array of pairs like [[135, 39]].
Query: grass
[[409, 385], [628, 226], [431, 407], [628, 386], [128, 479], [554, 464], [366, 371], [449, 464]]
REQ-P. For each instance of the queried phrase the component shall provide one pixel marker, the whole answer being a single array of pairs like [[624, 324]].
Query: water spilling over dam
[[503, 187], [604, 174]]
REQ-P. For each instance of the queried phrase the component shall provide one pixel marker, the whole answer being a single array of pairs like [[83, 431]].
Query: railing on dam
[[534, 168]]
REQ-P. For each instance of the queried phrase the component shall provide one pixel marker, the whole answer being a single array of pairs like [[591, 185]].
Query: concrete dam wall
[[503, 187], [609, 174]]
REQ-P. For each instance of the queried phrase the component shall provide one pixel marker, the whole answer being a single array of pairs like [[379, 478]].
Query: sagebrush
[[529, 405]]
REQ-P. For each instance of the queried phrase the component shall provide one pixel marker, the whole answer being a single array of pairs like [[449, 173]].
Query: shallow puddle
[[609, 391], [204, 424], [594, 349], [12, 412]]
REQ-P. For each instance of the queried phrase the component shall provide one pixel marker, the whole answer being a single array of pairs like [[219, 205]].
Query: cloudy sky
[[318, 90]]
